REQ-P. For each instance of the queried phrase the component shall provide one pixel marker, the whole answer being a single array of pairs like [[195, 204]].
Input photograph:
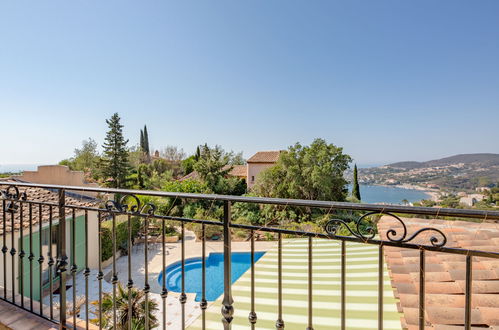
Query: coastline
[[433, 194]]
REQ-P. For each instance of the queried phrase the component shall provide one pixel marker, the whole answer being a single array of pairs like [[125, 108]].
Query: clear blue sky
[[386, 80]]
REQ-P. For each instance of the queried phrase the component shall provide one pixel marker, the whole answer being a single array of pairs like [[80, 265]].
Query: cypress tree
[[146, 141], [115, 164], [355, 188], [146, 145], [198, 154], [141, 140]]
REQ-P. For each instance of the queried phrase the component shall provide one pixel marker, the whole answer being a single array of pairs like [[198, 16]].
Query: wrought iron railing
[[17, 203]]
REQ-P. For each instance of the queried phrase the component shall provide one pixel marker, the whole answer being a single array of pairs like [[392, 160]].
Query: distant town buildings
[[471, 200]]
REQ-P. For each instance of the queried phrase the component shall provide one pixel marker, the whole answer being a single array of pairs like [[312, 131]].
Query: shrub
[[121, 235], [210, 230], [120, 304]]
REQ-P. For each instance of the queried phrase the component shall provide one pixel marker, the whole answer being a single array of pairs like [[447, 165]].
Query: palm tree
[[405, 201], [138, 299]]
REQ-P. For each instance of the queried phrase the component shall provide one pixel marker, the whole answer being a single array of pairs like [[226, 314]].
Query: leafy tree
[[143, 173], [85, 158], [115, 166], [355, 188], [212, 165], [158, 180], [138, 317], [236, 158], [188, 164], [135, 156], [312, 172], [173, 153], [160, 166], [175, 206], [247, 213]]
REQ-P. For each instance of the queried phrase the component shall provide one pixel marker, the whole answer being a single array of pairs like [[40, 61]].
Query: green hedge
[[121, 235]]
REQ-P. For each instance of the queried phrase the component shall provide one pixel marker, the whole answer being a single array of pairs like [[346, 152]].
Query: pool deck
[[361, 290], [155, 266], [361, 285]]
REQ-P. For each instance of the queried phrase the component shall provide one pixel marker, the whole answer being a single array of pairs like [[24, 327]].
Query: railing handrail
[[397, 236], [431, 211]]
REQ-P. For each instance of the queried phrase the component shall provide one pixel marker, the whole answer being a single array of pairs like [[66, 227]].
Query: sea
[[375, 194], [16, 168]]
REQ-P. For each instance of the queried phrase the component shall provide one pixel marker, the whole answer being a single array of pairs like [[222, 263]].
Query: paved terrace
[[155, 266], [361, 289]]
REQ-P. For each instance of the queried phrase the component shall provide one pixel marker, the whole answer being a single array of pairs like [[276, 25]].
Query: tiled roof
[[237, 170], [191, 176], [40, 195], [445, 274], [265, 157]]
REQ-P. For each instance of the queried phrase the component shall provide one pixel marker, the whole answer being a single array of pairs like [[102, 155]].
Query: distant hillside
[[484, 159], [460, 172]]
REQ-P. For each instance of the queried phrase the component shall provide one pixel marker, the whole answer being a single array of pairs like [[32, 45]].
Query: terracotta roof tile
[[239, 170], [478, 274], [433, 277], [40, 195], [485, 300], [411, 315], [406, 288], [453, 327], [451, 315], [445, 274], [444, 287], [489, 315], [265, 157], [482, 286]]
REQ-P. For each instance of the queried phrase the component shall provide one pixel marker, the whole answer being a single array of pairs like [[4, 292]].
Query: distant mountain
[[484, 159], [460, 172]]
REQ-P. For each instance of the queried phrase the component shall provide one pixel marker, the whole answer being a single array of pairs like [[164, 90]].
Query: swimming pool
[[241, 262]]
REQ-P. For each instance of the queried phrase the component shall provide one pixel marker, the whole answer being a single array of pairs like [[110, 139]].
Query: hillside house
[[259, 162], [255, 164]]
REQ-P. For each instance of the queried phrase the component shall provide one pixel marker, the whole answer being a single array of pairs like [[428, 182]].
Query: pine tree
[[115, 164], [356, 188]]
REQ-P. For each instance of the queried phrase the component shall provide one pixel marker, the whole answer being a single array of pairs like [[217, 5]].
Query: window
[[252, 178]]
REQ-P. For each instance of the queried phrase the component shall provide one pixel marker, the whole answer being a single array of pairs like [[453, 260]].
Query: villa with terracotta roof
[[259, 162], [256, 164]]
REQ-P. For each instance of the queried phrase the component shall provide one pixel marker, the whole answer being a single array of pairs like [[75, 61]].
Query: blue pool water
[[241, 262]]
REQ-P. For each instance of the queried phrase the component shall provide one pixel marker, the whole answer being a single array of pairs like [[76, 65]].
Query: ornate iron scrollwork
[[333, 225], [13, 194], [134, 208], [122, 207]]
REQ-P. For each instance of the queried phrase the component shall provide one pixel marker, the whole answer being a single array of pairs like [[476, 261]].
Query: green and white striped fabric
[[361, 289]]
